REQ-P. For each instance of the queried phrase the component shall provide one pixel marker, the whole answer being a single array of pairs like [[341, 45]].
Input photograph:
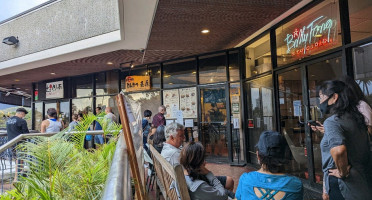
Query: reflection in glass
[[213, 123], [83, 86], [38, 115], [64, 112], [317, 74], [236, 121], [258, 57], [360, 19], [144, 101], [212, 68], [179, 74], [260, 110], [313, 32], [107, 83], [291, 116], [83, 105], [234, 66], [362, 57], [108, 101]]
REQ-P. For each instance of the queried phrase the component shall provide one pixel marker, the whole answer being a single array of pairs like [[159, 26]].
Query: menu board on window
[[188, 102], [171, 102]]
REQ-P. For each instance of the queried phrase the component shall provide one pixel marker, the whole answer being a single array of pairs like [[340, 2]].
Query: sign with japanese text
[[137, 83], [54, 90]]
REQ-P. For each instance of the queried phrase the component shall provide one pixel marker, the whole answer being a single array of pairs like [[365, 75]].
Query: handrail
[[20, 137], [118, 185]]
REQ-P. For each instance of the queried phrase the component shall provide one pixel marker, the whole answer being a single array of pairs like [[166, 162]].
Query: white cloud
[[9, 8]]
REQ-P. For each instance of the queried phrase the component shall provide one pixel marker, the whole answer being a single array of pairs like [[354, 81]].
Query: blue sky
[[9, 8]]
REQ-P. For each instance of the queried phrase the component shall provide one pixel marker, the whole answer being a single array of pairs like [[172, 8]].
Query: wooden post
[[140, 190]]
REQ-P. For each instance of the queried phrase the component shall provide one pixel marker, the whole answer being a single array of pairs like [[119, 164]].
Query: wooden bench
[[166, 176]]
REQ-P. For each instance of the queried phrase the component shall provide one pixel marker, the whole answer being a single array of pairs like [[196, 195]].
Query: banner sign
[[54, 90], [137, 83]]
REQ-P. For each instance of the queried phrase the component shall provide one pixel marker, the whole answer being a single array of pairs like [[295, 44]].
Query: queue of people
[[345, 150]]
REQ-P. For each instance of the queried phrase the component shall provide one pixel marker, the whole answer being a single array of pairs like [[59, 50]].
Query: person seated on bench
[[175, 135], [269, 182], [201, 182]]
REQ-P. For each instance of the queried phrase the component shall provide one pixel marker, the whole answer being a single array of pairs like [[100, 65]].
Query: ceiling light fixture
[[110, 63], [194, 72], [16, 80], [11, 40], [205, 31], [53, 73]]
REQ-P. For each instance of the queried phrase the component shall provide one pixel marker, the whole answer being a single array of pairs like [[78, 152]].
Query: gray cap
[[22, 110]]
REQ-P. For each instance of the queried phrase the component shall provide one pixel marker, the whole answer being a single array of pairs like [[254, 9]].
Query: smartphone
[[313, 123]]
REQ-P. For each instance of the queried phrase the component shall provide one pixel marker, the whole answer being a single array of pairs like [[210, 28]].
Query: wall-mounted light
[[11, 40]]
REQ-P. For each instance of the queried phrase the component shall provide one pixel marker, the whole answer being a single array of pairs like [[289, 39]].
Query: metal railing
[[118, 185]]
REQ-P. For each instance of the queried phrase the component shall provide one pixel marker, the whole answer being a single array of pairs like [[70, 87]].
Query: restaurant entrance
[[213, 123], [298, 102]]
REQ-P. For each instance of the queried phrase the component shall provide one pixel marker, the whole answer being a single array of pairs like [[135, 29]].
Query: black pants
[[334, 189]]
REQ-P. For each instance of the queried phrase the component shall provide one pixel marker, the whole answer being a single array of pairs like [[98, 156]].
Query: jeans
[[334, 189], [98, 139]]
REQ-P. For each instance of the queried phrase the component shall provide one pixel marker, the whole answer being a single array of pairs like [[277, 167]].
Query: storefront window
[[144, 101], [260, 111], [83, 105], [107, 83], [234, 66], [212, 68], [360, 19], [313, 32], [363, 70], [258, 57], [152, 71], [179, 74], [82, 86], [108, 101], [236, 121], [38, 115]]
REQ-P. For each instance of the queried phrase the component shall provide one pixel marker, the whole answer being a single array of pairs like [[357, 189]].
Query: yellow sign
[[137, 83]]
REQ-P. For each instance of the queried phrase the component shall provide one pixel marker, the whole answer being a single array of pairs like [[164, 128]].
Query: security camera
[[142, 50]]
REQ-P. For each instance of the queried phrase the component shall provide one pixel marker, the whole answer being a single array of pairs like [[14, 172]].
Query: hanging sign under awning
[[137, 83], [54, 90]]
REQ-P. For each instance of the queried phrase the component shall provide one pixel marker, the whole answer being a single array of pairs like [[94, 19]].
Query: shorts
[[222, 179]]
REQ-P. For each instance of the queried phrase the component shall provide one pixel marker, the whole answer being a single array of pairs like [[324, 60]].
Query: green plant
[[58, 167]]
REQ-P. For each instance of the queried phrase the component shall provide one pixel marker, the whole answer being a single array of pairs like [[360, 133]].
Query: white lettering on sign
[[305, 38]]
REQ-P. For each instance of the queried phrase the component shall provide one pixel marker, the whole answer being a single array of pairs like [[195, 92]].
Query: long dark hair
[[159, 136], [354, 89], [192, 158], [347, 101]]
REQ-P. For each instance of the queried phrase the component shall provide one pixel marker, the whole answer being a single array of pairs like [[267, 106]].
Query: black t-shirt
[[16, 126]]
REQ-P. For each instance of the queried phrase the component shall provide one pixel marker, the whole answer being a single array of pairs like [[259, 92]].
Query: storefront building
[[227, 98]]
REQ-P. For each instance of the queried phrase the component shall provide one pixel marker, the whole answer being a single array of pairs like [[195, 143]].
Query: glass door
[[298, 102], [63, 110], [213, 123]]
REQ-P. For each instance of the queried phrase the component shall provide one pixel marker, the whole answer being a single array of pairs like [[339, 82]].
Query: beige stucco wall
[[62, 22]]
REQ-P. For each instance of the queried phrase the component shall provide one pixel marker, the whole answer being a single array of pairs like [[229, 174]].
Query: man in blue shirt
[[269, 182], [98, 139]]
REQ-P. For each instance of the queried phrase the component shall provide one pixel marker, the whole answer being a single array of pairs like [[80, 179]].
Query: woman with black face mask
[[344, 147]]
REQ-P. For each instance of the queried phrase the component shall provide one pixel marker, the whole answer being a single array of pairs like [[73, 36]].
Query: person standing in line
[[51, 125], [74, 122], [344, 147], [110, 115], [98, 139], [159, 118], [146, 128], [15, 126]]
